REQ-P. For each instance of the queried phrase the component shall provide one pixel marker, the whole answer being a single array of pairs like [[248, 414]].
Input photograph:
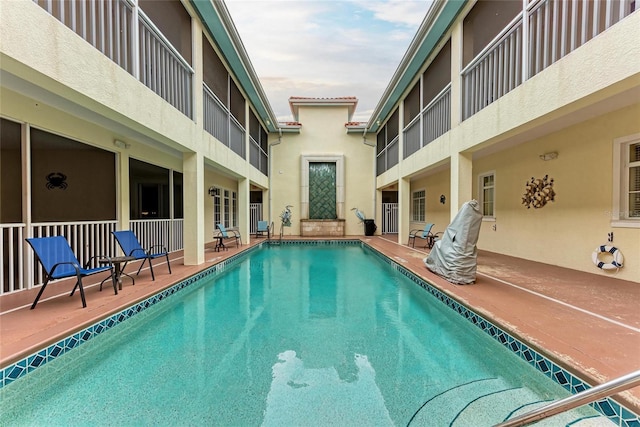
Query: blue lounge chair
[[59, 262], [424, 234], [263, 227], [131, 247], [226, 234]]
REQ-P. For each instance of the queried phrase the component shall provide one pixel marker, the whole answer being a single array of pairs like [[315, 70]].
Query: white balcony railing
[[550, 30], [388, 157], [435, 119], [162, 68], [166, 232], [216, 116], [219, 122], [20, 270], [258, 158], [110, 26], [12, 257], [495, 72], [436, 116]]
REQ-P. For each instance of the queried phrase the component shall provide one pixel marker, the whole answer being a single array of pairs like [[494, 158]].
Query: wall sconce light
[[443, 199], [121, 144], [549, 156], [212, 191]]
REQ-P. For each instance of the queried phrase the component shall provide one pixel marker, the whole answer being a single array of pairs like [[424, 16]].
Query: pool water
[[289, 336]]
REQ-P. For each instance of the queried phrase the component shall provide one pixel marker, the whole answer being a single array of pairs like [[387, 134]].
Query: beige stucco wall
[[436, 212], [322, 134], [564, 232]]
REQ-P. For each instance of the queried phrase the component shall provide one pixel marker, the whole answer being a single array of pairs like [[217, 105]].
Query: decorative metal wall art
[[57, 180], [286, 216], [538, 192]]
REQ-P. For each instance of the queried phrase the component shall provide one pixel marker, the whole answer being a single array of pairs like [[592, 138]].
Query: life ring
[[617, 261]]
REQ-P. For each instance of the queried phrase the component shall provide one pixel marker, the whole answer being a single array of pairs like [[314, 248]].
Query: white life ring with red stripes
[[615, 263]]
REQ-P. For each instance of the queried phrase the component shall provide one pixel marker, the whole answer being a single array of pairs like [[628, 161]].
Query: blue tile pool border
[[608, 407], [614, 411]]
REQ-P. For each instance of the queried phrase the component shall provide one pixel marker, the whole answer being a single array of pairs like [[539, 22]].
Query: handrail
[[584, 397]]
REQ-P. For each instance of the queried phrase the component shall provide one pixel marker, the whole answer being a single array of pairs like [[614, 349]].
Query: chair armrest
[[88, 263], [76, 266], [164, 248], [136, 250]]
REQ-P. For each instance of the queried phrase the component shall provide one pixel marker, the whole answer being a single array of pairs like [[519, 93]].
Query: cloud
[[325, 48]]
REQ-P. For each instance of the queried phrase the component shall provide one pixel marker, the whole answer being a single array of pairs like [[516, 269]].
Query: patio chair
[[424, 234], [59, 262], [131, 247], [263, 227], [227, 234]]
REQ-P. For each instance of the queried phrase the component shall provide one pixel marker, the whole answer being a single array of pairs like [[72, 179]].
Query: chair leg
[[84, 301], [168, 265], [44, 285], [79, 285], [141, 265], [114, 281], [153, 277]]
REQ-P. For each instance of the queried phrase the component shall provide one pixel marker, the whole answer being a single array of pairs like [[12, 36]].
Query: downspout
[[375, 189], [271, 172]]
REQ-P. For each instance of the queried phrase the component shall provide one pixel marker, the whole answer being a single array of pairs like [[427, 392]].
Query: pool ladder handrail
[[585, 397]]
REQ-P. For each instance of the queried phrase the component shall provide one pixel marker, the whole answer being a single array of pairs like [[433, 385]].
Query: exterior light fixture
[[443, 199], [121, 144], [549, 156]]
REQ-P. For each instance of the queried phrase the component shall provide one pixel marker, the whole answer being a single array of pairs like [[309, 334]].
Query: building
[[148, 115]]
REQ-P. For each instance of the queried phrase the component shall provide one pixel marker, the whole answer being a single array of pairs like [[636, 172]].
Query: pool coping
[[535, 357]]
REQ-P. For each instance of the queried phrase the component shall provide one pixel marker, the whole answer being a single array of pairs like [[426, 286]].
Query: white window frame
[[620, 211], [481, 188], [225, 207], [416, 214]]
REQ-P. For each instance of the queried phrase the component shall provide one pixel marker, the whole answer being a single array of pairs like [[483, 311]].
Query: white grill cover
[[454, 256]]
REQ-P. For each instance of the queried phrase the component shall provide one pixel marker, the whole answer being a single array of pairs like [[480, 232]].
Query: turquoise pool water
[[290, 335]]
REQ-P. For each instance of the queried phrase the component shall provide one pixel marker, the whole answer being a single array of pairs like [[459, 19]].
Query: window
[[632, 170], [486, 196], [217, 211], [419, 206], [225, 208], [626, 192]]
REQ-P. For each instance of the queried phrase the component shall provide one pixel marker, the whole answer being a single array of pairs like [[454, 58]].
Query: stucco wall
[[322, 133], [436, 213], [564, 232]]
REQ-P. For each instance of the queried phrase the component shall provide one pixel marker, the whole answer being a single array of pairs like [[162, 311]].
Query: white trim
[[619, 204], [424, 197], [481, 194], [305, 159]]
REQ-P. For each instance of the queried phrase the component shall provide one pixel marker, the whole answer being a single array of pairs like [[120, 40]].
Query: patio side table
[[118, 263]]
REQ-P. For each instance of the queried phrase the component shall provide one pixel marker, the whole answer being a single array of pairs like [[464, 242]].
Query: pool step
[[493, 407], [489, 401]]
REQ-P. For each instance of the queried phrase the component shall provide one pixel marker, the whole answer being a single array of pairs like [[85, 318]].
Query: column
[[194, 194], [404, 209], [123, 197], [461, 180], [244, 214]]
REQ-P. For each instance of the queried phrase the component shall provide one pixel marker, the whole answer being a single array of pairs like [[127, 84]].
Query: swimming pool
[[290, 335]]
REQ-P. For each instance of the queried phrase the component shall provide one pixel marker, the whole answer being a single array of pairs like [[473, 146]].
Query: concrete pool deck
[[587, 323]]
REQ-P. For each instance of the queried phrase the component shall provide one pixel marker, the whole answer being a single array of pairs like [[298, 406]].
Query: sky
[[326, 48]]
